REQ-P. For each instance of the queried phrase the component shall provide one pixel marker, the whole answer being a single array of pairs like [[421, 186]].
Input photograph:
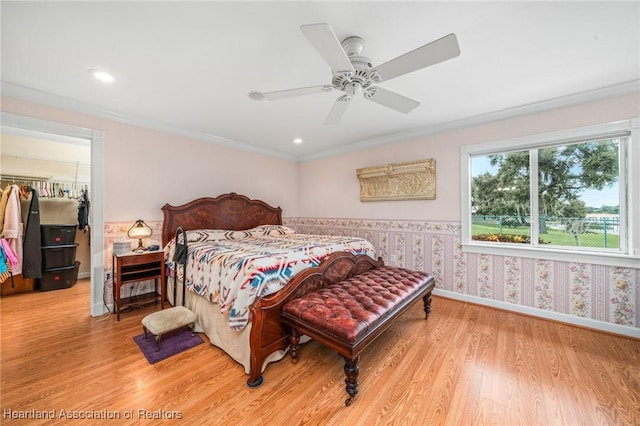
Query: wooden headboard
[[227, 211]]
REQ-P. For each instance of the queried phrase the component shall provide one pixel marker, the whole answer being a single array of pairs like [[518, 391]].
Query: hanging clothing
[[13, 229], [83, 211], [4, 268], [12, 259], [8, 260], [32, 246], [3, 205]]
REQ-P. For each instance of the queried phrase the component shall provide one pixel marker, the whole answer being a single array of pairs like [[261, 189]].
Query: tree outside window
[[577, 190]]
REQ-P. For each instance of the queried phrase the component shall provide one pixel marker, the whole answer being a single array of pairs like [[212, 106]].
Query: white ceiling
[[188, 67]]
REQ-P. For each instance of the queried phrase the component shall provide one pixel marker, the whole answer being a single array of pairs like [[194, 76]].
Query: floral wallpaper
[[602, 293]]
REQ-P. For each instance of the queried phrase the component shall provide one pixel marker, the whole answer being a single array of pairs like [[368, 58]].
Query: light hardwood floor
[[466, 365]]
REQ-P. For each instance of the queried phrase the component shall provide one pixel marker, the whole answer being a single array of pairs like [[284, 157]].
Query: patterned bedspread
[[232, 268]]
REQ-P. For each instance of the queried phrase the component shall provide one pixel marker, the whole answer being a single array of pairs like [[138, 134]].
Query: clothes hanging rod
[[28, 179], [25, 178], [74, 163]]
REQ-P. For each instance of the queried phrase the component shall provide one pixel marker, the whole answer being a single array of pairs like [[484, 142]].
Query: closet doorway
[[41, 151]]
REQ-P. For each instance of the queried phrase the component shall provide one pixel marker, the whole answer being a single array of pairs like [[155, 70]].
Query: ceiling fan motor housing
[[353, 83]]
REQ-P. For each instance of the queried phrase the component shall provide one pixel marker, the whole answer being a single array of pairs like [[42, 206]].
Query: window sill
[[599, 258]]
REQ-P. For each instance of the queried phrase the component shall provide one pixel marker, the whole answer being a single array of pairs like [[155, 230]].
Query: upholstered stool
[[161, 322]]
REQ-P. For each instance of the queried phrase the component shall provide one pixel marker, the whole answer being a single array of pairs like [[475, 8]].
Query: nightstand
[[133, 267]]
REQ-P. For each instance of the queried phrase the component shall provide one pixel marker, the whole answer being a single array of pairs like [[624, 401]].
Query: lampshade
[[138, 231]]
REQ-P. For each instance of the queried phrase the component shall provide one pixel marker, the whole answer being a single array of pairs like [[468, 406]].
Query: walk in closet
[[56, 171]]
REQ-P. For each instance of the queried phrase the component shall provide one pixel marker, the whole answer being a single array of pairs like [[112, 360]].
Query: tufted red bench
[[348, 315]]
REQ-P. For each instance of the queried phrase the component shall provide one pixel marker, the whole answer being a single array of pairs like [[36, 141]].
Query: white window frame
[[629, 253]]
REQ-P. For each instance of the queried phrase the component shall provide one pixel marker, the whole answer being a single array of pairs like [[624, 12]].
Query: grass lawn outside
[[556, 237]]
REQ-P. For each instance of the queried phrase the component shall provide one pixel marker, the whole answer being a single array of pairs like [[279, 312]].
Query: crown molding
[[33, 95], [26, 93], [622, 89]]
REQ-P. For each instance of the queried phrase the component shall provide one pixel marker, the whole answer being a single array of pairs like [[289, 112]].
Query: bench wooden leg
[[294, 343], [427, 304], [351, 371]]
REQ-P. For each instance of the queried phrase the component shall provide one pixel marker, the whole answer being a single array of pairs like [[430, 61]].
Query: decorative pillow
[[272, 230], [201, 235]]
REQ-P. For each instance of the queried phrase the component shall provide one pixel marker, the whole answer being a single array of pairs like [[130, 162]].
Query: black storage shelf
[[57, 278], [58, 256], [53, 235], [59, 266]]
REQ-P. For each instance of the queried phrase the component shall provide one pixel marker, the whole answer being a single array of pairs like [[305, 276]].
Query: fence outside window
[[595, 231]]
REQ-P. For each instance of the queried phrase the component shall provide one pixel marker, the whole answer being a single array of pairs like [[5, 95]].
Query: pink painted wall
[[329, 187], [172, 169]]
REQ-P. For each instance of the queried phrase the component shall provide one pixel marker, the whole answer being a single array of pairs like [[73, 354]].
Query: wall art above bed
[[412, 180]]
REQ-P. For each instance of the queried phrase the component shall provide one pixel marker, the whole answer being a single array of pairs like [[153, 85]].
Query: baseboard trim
[[541, 313], [83, 275], [99, 309]]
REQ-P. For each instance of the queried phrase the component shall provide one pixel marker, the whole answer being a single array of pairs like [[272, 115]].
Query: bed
[[239, 308]]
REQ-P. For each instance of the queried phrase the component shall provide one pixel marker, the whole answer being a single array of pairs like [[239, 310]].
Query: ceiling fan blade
[[338, 109], [290, 93], [429, 54], [328, 46], [391, 99]]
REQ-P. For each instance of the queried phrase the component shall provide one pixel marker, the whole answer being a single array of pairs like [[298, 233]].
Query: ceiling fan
[[354, 74]]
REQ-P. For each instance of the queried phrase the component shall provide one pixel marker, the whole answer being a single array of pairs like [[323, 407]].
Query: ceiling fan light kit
[[354, 74]]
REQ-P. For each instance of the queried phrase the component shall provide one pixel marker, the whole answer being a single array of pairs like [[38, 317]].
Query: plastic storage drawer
[[58, 256], [58, 278], [52, 235]]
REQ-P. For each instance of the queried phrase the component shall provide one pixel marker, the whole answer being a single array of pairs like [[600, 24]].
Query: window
[[569, 195]]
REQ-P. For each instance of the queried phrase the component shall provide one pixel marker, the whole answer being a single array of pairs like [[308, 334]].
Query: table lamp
[[138, 231]]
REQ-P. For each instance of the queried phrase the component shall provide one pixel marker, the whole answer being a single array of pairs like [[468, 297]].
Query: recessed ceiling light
[[297, 140], [102, 76]]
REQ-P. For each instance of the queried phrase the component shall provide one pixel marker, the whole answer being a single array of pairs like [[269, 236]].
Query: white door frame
[[96, 212]]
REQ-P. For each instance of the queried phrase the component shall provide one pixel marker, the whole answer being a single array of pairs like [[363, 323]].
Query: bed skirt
[[216, 326]]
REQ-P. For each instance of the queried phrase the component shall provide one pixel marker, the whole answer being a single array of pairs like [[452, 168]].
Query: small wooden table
[[133, 267]]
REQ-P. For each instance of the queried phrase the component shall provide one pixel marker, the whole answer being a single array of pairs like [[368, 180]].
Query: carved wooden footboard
[[267, 334]]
